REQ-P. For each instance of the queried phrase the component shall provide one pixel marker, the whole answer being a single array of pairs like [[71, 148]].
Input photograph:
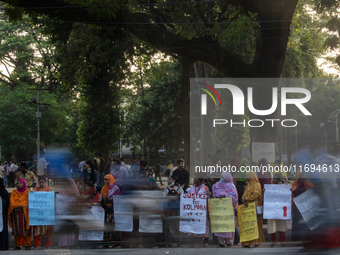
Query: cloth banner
[[277, 202], [221, 215], [248, 222], [123, 214], [308, 204], [41, 208], [193, 213], [96, 218]]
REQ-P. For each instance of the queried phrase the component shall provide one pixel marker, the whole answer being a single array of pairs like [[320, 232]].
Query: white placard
[[1, 218], [263, 150], [123, 214], [193, 212], [63, 208], [308, 204], [277, 202], [96, 217]]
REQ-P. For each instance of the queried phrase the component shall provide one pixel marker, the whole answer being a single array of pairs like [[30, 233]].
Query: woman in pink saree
[[226, 188]]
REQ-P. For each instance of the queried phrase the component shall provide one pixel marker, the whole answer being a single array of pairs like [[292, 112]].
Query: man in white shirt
[[81, 165], [42, 167], [12, 170]]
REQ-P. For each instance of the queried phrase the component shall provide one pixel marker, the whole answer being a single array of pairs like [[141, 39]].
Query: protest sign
[[221, 215], [248, 222], [96, 218], [263, 150], [41, 208], [193, 212], [150, 223], [63, 209], [123, 214], [308, 204], [277, 202], [1, 219]]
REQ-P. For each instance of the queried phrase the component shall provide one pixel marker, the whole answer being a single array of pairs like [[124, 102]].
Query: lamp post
[[38, 115]]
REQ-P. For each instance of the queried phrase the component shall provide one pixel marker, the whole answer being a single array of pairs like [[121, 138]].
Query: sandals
[[221, 245], [17, 248]]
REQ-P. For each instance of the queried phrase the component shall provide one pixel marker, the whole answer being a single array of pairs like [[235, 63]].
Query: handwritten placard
[[63, 208], [193, 212], [308, 204], [123, 214], [95, 218], [277, 202], [263, 150], [221, 215], [248, 222], [41, 208]]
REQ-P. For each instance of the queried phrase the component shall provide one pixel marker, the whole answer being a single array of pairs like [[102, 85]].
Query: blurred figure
[[143, 169], [42, 166], [2, 170], [30, 163], [39, 231], [158, 168], [275, 226], [241, 180], [18, 216], [253, 193], [120, 174], [12, 170], [264, 176], [134, 168], [279, 165], [226, 188], [5, 203], [235, 160], [299, 186], [90, 195], [151, 184], [200, 188], [6, 173], [182, 174]]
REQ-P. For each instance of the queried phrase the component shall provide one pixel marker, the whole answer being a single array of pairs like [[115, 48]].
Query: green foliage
[[153, 118]]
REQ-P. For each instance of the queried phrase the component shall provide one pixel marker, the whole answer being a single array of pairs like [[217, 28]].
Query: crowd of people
[[96, 182]]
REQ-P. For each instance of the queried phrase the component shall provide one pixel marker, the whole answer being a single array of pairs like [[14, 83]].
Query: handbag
[[259, 208]]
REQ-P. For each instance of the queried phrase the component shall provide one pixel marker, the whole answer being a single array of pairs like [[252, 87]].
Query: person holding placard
[[200, 188], [4, 200], [253, 193], [275, 226], [18, 215], [226, 188], [299, 186], [39, 231]]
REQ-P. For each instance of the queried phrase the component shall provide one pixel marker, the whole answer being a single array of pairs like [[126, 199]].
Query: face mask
[[89, 170], [222, 180]]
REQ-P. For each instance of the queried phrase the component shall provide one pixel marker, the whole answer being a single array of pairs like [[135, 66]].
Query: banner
[[41, 208], [308, 204], [221, 215], [277, 202], [248, 222], [96, 218], [193, 212], [123, 214]]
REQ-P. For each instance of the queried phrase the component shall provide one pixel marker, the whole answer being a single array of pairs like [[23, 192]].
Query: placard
[[150, 223], [123, 214], [63, 209], [277, 202], [96, 218], [193, 212], [308, 204], [41, 209], [263, 150], [221, 215], [248, 222]]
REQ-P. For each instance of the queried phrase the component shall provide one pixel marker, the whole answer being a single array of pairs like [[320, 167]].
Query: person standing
[[182, 174], [120, 174], [275, 226], [39, 231], [28, 176], [12, 171], [18, 215], [253, 193], [200, 188], [30, 163], [42, 166], [226, 188], [158, 172], [90, 174], [241, 180], [4, 199], [6, 174], [235, 160], [2, 170]]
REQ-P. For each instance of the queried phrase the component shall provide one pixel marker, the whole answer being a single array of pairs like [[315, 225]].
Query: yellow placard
[[221, 215], [248, 222]]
